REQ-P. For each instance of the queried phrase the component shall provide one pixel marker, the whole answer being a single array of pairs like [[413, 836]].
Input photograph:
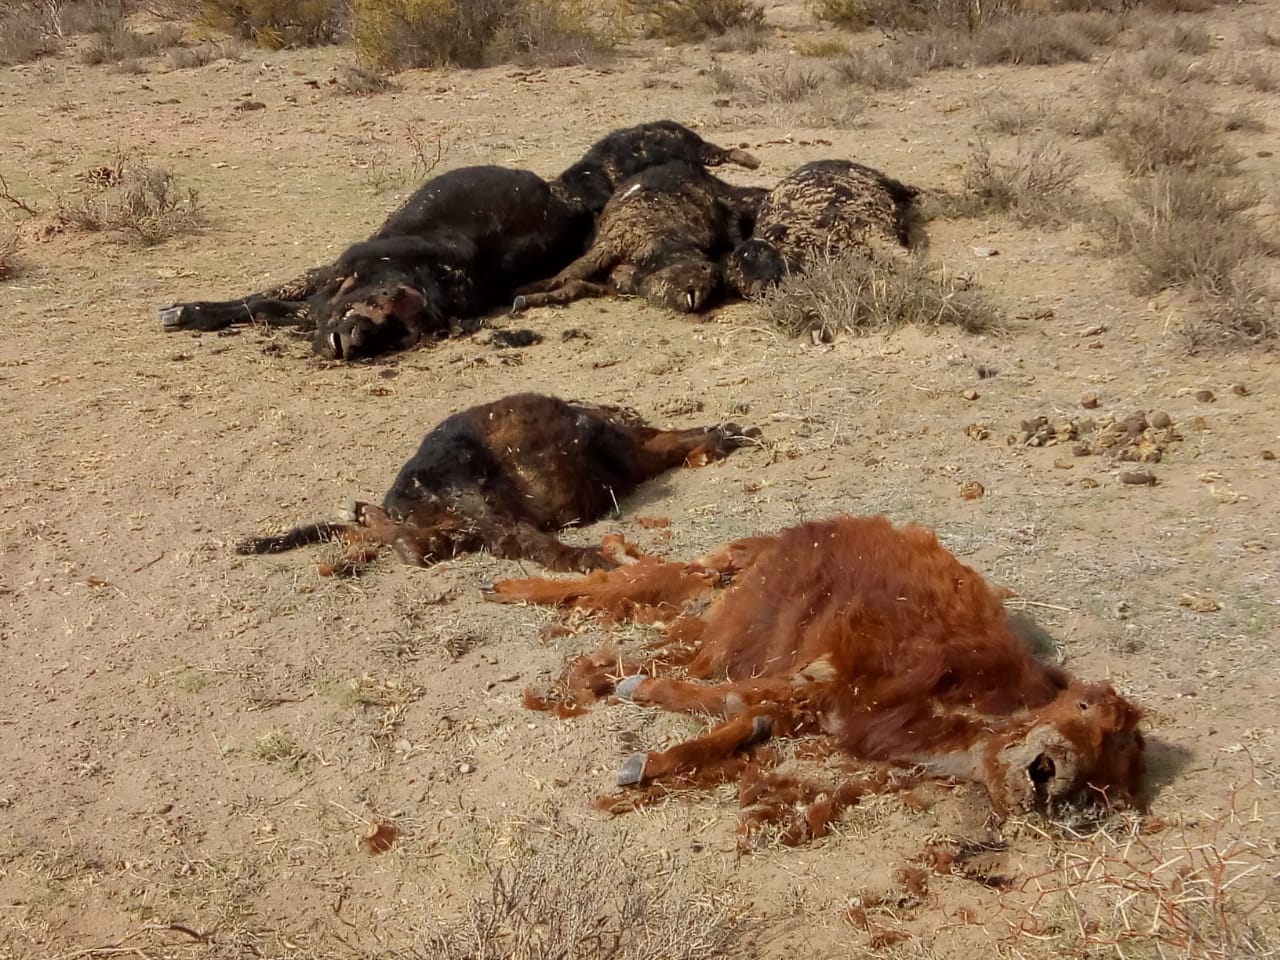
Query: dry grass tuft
[[690, 21], [861, 293], [275, 24], [146, 204], [572, 896], [1014, 40], [353, 80], [203, 54], [1038, 185], [1151, 130], [25, 36], [399, 34], [122, 44]]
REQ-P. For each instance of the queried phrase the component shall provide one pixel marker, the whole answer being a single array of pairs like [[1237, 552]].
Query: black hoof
[[519, 305], [627, 685], [632, 771]]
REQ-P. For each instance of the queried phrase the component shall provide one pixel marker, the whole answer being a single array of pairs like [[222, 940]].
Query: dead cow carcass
[[824, 208], [504, 476], [872, 637]]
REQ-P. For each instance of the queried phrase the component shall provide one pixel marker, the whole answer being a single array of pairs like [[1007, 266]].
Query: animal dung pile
[[1138, 438]]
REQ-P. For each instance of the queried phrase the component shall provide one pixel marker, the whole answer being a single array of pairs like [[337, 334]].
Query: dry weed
[[24, 36], [187, 58], [146, 204], [1139, 888], [274, 24], [1148, 131], [569, 896], [398, 34], [690, 21], [353, 80], [1038, 185], [122, 44], [860, 293]]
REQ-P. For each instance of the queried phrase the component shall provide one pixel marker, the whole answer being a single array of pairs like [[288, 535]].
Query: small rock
[[1268, 454], [1239, 389], [1089, 401], [1199, 423], [1081, 450], [1159, 419], [466, 768], [1204, 396], [1138, 478], [1089, 483], [162, 808], [971, 490], [970, 394], [1063, 464]]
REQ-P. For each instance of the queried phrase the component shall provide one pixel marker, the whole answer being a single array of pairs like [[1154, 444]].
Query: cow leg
[[714, 747], [567, 293], [592, 263], [660, 450], [282, 306], [518, 540], [722, 699], [629, 591]]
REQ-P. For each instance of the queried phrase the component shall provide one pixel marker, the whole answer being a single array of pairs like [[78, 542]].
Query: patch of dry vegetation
[[1015, 40], [121, 44], [10, 261], [1038, 185], [24, 36], [1188, 222], [146, 204], [274, 24], [689, 21], [860, 293], [569, 895], [399, 34]]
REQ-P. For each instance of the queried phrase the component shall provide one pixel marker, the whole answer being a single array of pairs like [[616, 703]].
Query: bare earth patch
[[212, 756]]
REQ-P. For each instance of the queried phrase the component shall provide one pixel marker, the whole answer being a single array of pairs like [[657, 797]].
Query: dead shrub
[[1191, 39], [570, 896], [203, 54], [1011, 117], [747, 38], [822, 49], [1032, 41], [861, 293], [24, 37], [865, 14], [122, 44], [787, 86], [353, 80], [85, 16], [892, 67], [146, 204], [275, 24], [690, 21], [399, 34], [1038, 185], [1169, 128]]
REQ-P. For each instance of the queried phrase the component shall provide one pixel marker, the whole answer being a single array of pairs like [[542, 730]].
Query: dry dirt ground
[[195, 742]]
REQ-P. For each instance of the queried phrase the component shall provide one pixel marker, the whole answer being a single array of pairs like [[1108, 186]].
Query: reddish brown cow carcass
[[872, 635]]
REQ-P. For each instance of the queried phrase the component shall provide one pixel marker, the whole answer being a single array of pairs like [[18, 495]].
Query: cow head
[[1083, 749], [753, 266], [688, 286], [364, 319]]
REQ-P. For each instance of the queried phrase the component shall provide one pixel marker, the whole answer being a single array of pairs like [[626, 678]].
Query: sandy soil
[[195, 742]]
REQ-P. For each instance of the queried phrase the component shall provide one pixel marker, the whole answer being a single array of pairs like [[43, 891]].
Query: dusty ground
[[194, 742]]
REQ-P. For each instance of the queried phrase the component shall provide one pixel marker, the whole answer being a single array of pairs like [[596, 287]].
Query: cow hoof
[[347, 514], [174, 317], [488, 590], [733, 431], [761, 730], [627, 685], [632, 771], [519, 305]]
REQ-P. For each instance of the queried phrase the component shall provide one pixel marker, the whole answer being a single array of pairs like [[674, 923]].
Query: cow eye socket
[[1041, 769]]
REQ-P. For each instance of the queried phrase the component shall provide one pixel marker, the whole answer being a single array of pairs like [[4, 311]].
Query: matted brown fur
[[872, 635]]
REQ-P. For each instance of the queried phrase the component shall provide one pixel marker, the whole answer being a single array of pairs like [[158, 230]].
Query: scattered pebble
[[1089, 401], [1268, 454], [1159, 419], [1089, 483], [972, 490], [970, 394], [1204, 396], [1239, 389], [466, 768]]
